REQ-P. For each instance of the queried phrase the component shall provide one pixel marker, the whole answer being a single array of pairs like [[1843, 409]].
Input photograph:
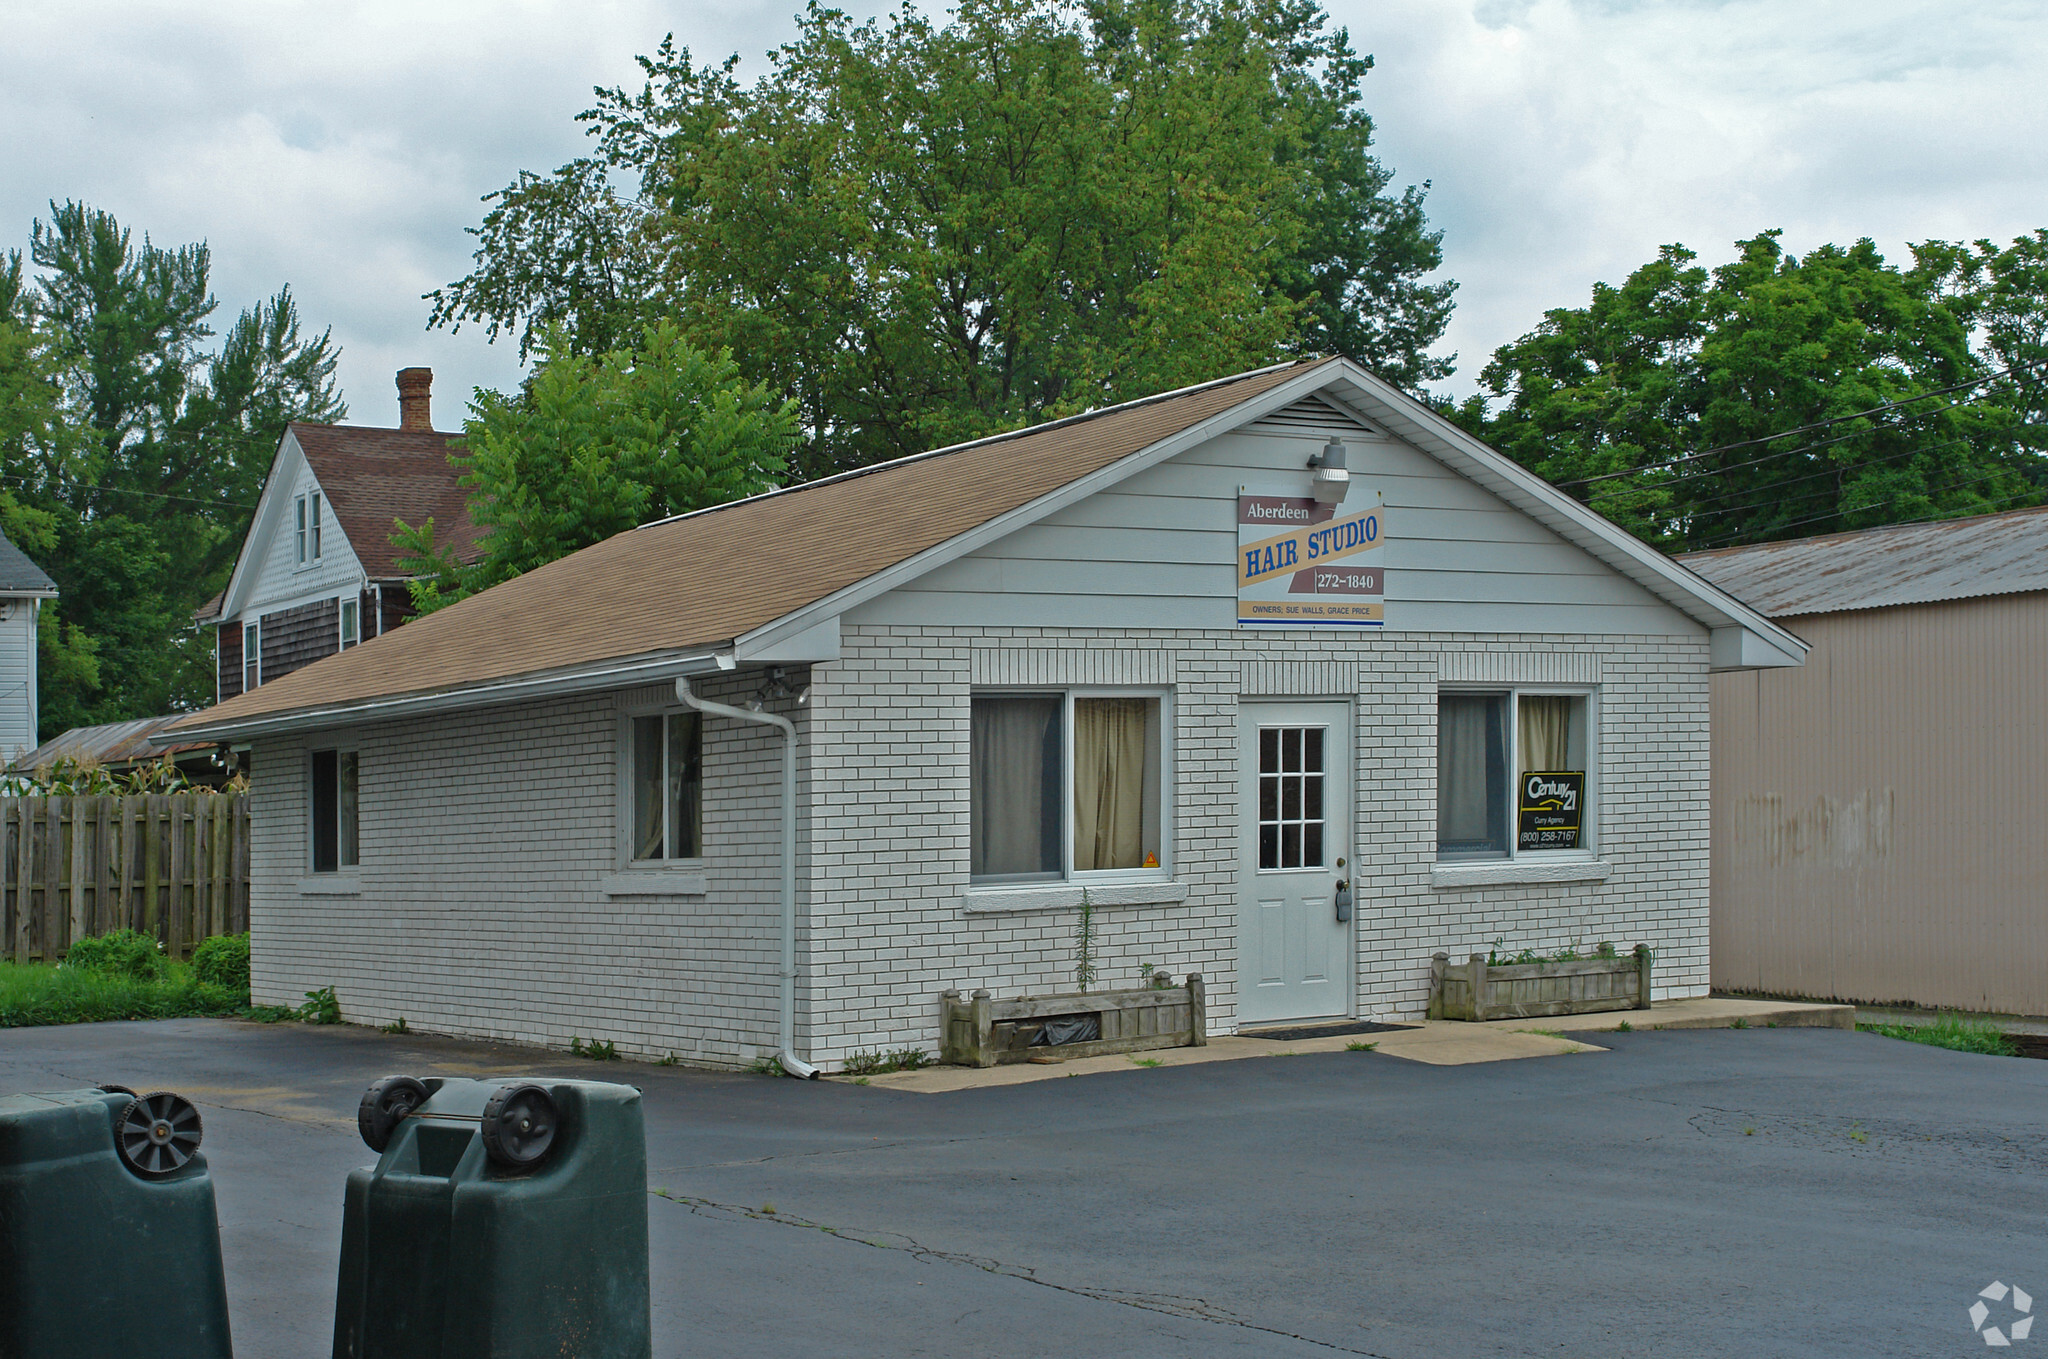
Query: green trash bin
[[504, 1219], [109, 1245]]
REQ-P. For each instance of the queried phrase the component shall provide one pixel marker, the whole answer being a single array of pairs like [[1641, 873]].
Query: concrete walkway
[[1435, 1042]]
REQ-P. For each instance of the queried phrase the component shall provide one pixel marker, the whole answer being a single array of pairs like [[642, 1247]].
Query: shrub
[[122, 953], [35, 993], [223, 961]]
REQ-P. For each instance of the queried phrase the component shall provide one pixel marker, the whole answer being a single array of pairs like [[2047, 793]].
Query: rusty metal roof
[[112, 745], [1987, 554]]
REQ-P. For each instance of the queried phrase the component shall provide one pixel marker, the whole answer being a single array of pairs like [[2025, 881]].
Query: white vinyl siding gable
[[280, 581], [1159, 550]]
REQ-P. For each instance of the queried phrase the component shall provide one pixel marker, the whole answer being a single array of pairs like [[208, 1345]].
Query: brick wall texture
[[487, 837]]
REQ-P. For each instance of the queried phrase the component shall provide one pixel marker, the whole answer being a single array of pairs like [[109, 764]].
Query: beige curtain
[[1545, 729], [1109, 782]]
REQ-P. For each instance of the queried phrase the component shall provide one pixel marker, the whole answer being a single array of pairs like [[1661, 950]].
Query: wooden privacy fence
[[173, 865]]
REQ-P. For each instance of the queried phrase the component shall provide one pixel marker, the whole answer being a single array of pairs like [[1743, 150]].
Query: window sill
[[655, 882], [331, 885], [1066, 896], [1519, 870]]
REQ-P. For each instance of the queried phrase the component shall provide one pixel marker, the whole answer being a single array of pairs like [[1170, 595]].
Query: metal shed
[[1877, 827]]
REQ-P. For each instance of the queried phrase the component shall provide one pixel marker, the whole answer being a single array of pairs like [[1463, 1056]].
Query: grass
[[1947, 1031], [606, 1051], [1360, 1047], [1144, 1061], [36, 993], [1624, 1027]]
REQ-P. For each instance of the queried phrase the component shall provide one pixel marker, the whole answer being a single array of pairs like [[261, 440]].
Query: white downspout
[[791, 1063]]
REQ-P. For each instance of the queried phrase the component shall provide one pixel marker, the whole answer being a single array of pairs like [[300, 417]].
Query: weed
[[321, 1007], [861, 1080], [882, 1063], [1858, 1136], [1547, 1033], [1749, 1132], [765, 1066], [606, 1051], [270, 1014], [119, 953], [223, 961], [1624, 1027], [1360, 1047], [1145, 971], [1605, 951], [1144, 1061], [768, 1209], [1739, 1024], [1949, 1031], [670, 1060], [1770, 1023], [399, 1027], [1084, 944]]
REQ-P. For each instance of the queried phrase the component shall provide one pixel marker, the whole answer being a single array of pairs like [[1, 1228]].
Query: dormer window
[[300, 535]]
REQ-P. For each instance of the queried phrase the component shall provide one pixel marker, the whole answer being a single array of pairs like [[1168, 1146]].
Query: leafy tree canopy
[[596, 445], [929, 232], [133, 450], [1780, 397]]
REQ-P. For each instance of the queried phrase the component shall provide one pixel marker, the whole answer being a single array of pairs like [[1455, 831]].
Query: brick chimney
[[413, 386]]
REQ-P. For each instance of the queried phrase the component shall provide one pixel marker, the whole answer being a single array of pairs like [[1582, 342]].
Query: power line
[[1709, 502], [36, 482], [1731, 540], [1818, 424]]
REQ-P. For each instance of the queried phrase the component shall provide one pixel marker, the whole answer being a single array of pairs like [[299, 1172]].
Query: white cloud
[[343, 149]]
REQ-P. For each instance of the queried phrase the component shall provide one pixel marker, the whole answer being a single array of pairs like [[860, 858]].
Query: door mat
[[1334, 1028]]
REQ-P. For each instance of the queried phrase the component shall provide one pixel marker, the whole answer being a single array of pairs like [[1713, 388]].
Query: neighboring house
[[317, 572], [1877, 815], [23, 588], [123, 747], [1146, 654]]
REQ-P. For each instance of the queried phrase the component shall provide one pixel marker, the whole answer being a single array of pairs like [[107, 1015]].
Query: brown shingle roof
[[374, 477], [710, 577]]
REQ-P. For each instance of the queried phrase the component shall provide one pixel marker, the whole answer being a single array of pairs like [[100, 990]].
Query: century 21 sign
[[1305, 564]]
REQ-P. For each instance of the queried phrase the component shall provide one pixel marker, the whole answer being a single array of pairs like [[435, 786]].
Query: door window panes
[[1291, 797]]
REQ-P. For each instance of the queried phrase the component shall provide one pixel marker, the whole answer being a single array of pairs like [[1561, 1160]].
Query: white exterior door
[[1294, 798]]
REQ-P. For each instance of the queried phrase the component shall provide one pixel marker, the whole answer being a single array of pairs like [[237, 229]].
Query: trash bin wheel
[[157, 1134], [519, 1126], [385, 1105]]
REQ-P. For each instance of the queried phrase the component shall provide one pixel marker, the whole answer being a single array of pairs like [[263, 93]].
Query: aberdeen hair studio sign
[[1301, 563]]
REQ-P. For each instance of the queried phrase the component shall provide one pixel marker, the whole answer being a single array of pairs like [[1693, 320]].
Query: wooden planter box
[[1473, 990], [982, 1031]]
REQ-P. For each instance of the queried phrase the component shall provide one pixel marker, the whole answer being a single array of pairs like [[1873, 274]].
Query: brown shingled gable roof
[[705, 579], [374, 477]]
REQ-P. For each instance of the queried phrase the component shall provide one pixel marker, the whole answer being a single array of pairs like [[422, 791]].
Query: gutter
[[446, 700], [791, 1063]]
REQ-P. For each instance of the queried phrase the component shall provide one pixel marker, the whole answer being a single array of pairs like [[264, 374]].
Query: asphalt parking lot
[[1725, 1192]]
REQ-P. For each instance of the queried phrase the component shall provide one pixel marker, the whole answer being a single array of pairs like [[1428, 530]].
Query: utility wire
[[1731, 540], [1711, 502], [1818, 424], [124, 490]]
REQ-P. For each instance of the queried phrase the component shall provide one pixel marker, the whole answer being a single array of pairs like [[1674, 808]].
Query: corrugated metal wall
[[1880, 817]]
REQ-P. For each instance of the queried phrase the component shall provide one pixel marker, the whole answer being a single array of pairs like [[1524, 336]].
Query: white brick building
[[1014, 671]]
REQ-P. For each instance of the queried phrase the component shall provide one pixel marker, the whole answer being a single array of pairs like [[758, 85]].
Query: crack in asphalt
[[1170, 1304]]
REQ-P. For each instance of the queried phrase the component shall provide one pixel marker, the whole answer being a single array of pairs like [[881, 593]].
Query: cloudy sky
[[343, 147]]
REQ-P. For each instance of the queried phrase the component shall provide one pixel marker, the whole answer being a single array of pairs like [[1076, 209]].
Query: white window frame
[[350, 610], [299, 533], [252, 654], [343, 868], [1068, 874], [624, 800], [1589, 821]]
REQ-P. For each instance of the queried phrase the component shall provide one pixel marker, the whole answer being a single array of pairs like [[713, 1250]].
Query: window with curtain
[[1489, 745], [667, 779], [1051, 773]]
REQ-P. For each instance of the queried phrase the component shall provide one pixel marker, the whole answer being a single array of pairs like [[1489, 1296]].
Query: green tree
[[1776, 396], [931, 232], [143, 447], [596, 445]]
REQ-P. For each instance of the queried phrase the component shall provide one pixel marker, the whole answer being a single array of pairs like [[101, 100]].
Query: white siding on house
[[279, 580], [1159, 550], [17, 677]]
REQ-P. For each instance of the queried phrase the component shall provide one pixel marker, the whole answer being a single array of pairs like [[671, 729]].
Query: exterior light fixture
[[774, 687], [1332, 480]]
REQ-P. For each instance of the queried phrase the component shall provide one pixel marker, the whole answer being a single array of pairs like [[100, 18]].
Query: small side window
[[667, 780], [313, 514], [351, 625], [299, 533], [333, 803], [252, 655]]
